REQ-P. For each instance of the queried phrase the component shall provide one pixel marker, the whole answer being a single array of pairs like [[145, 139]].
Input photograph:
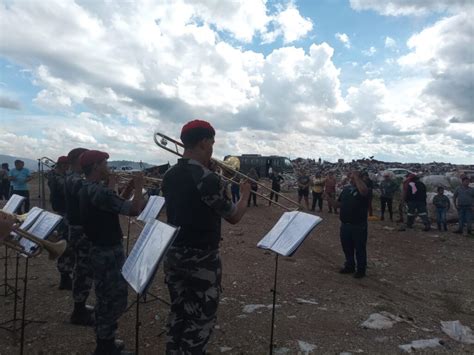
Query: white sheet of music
[[152, 208], [33, 214], [289, 232], [151, 246], [43, 226], [13, 203]]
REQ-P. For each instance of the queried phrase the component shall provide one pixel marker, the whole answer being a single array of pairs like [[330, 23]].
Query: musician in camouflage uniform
[[56, 183], [82, 272], [196, 201], [100, 207]]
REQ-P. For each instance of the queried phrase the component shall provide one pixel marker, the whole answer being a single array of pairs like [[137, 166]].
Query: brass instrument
[[9, 224], [124, 178], [228, 167]]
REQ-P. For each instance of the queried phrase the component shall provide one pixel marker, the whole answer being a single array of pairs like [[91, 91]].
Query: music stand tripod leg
[[274, 304], [137, 324]]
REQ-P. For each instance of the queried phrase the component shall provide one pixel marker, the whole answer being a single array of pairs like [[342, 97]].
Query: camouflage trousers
[[65, 263], [193, 277], [82, 276], [110, 289]]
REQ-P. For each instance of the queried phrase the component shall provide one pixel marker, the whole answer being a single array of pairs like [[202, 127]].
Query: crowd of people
[[82, 190]]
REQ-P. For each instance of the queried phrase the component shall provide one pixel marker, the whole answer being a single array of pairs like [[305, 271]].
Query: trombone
[[50, 163], [124, 178], [162, 140], [8, 224]]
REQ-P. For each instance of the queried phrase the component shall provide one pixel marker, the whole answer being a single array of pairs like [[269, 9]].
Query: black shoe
[[457, 232], [65, 283], [359, 274], [347, 270], [110, 347], [426, 229], [83, 316], [382, 218]]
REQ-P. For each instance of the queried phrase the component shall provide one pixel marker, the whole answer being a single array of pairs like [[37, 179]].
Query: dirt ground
[[423, 277]]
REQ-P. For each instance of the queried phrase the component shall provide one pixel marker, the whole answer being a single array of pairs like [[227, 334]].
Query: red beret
[[62, 160], [91, 157], [197, 124]]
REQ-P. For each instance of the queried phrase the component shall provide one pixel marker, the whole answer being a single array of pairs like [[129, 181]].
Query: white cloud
[[119, 70], [289, 24], [444, 52], [369, 52], [410, 7], [344, 38], [390, 43]]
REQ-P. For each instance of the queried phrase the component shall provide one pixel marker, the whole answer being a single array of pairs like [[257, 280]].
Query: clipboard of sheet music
[[147, 253], [289, 232]]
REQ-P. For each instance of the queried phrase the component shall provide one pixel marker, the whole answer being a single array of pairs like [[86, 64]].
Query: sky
[[333, 79]]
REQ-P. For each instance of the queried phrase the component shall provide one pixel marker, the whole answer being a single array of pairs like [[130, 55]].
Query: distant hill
[[30, 164]]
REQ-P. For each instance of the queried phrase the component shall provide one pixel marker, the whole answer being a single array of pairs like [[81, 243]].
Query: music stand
[[284, 239], [141, 265], [12, 205]]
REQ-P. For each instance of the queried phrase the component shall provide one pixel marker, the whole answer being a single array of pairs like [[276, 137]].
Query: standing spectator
[[19, 177], [388, 187], [254, 186], [317, 191], [415, 197], [330, 191], [235, 189], [303, 188], [442, 204], [276, 179], [370, 186], [353, 233], [464, 201], [4, 182]]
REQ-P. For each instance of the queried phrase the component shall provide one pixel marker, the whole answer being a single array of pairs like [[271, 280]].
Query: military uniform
[[100, 208], [83, 272], [195, 201], [56, 184]]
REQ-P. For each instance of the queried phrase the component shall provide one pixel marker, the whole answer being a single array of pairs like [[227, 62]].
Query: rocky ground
[[422, 278]]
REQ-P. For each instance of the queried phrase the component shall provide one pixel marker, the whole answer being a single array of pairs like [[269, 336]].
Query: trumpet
[[228, 167], [9, 224]]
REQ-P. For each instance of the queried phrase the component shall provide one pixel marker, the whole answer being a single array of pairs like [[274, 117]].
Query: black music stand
[[285, 238], [141, 266], [8, 289], [13, 328]]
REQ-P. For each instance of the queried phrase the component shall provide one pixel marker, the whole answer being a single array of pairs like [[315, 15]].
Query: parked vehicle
[[262, 164]]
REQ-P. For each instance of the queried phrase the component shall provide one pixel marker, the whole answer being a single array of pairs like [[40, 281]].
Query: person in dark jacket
[[415, 196]]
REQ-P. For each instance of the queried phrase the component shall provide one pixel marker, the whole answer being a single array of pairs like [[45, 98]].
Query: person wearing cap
[[196, 201], [82, 276], [464, 202], [353, 203], [100, 208], [56, 183], [388, 188], [19, 177]]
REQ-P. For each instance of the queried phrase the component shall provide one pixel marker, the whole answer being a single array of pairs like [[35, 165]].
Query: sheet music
[[13, 203], [142, 263], [152, 208], [272, 236], [43, 226], [289, 232], [30, 219]]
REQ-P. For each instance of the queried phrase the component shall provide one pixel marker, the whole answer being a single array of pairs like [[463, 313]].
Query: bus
[[262, 164]]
